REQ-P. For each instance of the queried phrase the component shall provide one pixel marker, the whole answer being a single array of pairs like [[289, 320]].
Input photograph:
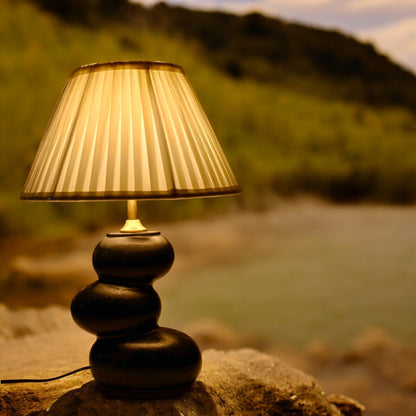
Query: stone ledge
[[239, 382]]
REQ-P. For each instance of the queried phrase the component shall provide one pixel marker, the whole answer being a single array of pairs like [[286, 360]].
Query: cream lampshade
[[130, 130]]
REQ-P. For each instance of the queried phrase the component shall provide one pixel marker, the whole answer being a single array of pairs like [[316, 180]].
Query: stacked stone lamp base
[[133, 357]]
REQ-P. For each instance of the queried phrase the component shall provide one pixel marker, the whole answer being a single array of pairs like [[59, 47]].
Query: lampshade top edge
[[139, 65]]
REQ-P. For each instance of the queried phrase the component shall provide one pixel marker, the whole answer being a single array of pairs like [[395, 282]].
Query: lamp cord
[[43, 380]]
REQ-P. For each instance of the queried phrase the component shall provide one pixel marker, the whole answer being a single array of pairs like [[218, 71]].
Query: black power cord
[[43, 380]]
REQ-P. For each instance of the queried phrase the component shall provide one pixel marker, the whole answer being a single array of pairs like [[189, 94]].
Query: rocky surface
[[39, 343], [238, 382], [43, 343], [30, 321], [376, 370]]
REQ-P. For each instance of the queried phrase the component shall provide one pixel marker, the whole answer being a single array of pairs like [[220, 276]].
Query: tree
[[85, 11]]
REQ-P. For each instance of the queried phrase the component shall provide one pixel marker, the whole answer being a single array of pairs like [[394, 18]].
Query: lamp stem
[[132, 224], [131, 209]]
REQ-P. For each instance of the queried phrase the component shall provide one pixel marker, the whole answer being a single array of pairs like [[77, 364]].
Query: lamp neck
[[132, 224]]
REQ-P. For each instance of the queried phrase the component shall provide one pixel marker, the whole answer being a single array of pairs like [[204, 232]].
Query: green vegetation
[[277, 138], [308, 59]]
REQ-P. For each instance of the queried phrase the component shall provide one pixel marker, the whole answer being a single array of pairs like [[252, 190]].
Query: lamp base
[[159, 363], [133, 357]]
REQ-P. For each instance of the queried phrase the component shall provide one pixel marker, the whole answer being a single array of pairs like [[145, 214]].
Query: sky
[[389, 24]]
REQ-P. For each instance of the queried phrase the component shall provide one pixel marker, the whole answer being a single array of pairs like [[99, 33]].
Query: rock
[[238, 382], [31, 321], [45, 343], [210, 333], [320, 352], [39, 343], [43, 355], [346, 405], [388, 358], [33, 398]]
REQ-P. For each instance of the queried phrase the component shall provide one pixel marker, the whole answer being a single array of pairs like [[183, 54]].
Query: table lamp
[[129, 131]]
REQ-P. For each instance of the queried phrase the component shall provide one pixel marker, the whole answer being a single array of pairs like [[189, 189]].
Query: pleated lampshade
[[128, 130]]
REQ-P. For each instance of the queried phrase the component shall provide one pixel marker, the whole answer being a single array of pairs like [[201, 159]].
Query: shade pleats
[[128, 130]]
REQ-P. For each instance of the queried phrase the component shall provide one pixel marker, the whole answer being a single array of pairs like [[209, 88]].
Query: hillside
[[323, 62], [278, 139]]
